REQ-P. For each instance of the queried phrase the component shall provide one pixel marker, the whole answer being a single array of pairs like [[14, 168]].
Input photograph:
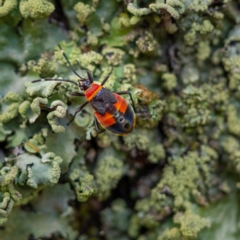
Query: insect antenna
[[65, 56], [54, 79], [87, 70]]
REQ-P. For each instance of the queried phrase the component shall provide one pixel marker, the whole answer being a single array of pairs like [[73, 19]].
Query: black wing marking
[[101, 101]]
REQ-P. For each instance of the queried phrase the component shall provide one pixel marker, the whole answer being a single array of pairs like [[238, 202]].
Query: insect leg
[[65, 56], [77, 94], [106, 78], [78, 110], [97, 126], [127, 92]]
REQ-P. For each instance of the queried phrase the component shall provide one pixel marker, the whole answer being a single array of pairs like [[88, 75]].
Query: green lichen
[[108, 173], [35, 8], [5, 207], [172, 7], [83, 11], [43, 88], [10, 104], [113, 55], [135, 141], [88, 60], [169, 81], [190, 223], [136, 11], [58, 112], [198, 30], [84, 184], [146, 43], [7, 6], [44, 67], [36, 172], [156, 153]]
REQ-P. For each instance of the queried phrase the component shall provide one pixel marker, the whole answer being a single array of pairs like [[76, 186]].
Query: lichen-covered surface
[[176, 176]]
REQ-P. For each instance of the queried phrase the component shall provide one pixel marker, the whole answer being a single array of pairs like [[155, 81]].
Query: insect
[[111, 110]]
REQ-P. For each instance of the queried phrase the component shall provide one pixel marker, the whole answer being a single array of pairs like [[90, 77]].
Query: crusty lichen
[[35, 8], [108, 173], [7, 6], [83, 11]]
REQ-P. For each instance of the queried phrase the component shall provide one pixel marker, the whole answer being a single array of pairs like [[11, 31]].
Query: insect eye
[[126, 125], [116, 114]]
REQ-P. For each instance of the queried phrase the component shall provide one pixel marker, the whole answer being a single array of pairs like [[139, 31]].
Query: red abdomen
[[122, 122]]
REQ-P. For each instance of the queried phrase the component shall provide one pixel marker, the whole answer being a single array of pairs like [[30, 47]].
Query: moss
[[172, 7]]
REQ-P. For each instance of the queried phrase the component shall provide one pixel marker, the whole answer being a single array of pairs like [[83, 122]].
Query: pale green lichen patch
[[35, 8], [190, 223], [9, 194], [146, 43], [135, 141], [89, 59], [198, 6], [59, 111], [6, 206], [36, 172], [197, 30], [23, 108], [45, 66], [7, 6], [136, 11], [129, 74], [113, 55], [84, 184], [169, 81], [156, 153], [108, 173], [83, 11], [10, 104], [42, 88]]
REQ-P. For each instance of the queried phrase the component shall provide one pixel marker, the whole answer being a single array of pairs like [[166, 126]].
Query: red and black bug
[[111, 110]]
